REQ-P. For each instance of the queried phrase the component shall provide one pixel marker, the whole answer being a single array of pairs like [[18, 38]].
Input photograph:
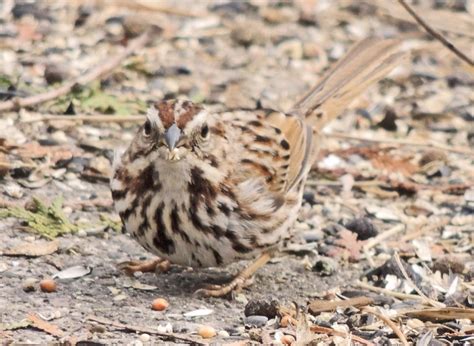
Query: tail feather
[[366, 63]]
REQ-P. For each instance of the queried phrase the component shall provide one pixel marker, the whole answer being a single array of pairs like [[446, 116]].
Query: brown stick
[[389, 323], [99, 71], [330, 331], [167, 336], [317, 306], [404, 142], [436, 34], [88, 118]]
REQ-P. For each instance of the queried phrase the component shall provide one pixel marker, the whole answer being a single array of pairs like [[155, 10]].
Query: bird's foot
[[242, 280], [157, 265]]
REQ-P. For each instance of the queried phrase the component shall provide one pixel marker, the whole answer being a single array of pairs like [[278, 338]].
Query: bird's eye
[[205, 131], [147, 129]]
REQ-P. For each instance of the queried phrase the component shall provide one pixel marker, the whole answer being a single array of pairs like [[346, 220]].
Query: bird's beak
[[172, 136]]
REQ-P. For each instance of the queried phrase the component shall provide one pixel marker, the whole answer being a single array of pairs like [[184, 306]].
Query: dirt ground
[[388, 209]]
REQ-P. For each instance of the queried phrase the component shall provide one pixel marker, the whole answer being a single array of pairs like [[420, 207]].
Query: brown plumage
[[207, 189]]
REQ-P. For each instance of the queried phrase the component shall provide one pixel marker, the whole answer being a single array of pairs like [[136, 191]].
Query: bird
[[205, 189]]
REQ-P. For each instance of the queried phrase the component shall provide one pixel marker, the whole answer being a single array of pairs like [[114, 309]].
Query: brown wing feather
[[283, 146], [366, 63], [300, 140]]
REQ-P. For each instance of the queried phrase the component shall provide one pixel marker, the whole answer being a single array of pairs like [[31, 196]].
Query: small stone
[[363, 227], [292, 48], [287, 339], [308, 197], [223, 333], [263, 307], [325, 266], [29, 284], [312, 50], [256, 321], [145, 337], [313, 236], [55, 73], [82, 233], [247, 33], [276, 15]]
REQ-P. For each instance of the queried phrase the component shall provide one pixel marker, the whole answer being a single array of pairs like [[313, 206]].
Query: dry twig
[[390, 293], [459, 150], [317, 306], [99, 71], [389, 323], [99, 118], [382, 236], [415, 287], [330, 331], [167, 336], [436, 34]]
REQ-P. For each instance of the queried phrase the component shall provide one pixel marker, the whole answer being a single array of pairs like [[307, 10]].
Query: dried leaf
[[349, 245], [45, 326], [441, 314], [198, 313], [317, 306], [36, 249]]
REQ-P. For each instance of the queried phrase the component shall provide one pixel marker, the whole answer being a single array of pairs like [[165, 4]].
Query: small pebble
[[285, 321], [264, 307], [256, 321], [159, 304], [145, 337], [29, 285], [325, 266], [55, 73], [207, 332], [363, 227], [48, 285], [287, 339], [223, 333]]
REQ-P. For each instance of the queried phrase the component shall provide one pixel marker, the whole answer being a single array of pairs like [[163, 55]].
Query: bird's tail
[[366, 63]]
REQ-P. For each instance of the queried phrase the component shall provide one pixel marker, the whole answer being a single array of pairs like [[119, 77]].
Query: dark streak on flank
[[217, 231], [144, 226], [259, 167], [119, 194], [236, 244], [262, 139], [224, 208], [255, 123], [212, 160], [176, 224], [124, 215], [217, 257], [284, 144], [147, 180], [161, 240], [200, 189]]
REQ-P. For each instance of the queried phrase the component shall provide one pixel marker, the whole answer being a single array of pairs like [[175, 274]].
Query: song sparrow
[[207, 189]]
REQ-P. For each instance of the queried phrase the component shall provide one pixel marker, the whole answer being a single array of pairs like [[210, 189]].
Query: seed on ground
[[207, 332], [48, 285], [159, 304]]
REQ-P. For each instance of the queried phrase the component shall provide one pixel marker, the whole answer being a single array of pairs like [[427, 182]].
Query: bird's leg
[[240, 281], [155, 265]]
